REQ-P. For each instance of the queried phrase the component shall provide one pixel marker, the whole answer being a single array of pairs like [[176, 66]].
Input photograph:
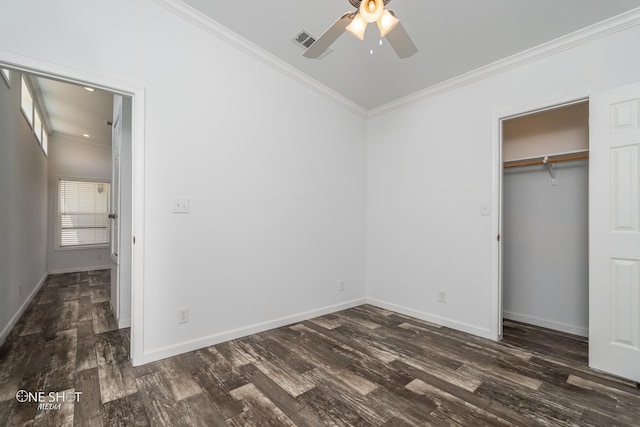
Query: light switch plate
[[181, 205]]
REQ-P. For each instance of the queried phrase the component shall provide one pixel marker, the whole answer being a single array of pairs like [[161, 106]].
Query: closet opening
[[544, 219]]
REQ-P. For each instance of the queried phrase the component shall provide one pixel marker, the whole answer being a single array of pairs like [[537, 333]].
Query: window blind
[[83, 213]]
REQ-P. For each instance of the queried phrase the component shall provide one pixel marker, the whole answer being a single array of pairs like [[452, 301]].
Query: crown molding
[[211, 26], [585, 35]]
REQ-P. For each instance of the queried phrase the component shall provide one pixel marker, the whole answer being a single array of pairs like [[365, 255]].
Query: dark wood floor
[[360, 367]]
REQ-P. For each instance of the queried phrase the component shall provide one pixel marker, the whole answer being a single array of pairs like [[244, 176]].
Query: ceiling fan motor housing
[[356, 3]]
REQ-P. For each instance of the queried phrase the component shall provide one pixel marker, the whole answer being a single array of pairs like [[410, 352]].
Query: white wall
[[275, 172], [71, 157], [429, 166], [23, 210], [546, 247]]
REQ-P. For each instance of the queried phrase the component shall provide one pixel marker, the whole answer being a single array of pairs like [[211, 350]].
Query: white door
[[115, 204], [614, 232]]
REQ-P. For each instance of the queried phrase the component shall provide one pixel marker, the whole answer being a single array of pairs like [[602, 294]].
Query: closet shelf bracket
[[551, 167]]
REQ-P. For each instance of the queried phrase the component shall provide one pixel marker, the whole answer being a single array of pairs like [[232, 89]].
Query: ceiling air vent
[[305, 39]]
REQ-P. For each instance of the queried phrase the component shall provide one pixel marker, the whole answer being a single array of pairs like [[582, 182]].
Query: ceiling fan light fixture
[[356, 22], [386, 23], [357, 27], [371, 10]]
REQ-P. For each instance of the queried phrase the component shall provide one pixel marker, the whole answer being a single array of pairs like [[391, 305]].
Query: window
[[7, 76], [37, 126], [31, 110], [45, 141], [83, 209], [27, 102]]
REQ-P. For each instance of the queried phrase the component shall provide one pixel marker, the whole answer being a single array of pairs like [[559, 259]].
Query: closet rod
[[541, 160]]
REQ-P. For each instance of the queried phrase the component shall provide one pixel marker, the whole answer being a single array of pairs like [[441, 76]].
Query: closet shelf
[[545, 160]]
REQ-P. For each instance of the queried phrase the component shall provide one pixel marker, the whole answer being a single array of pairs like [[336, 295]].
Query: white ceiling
[[452, 36], [75, 111]]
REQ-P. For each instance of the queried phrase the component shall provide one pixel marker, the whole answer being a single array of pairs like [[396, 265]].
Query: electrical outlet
[[442, 296], [183, 315], [181, 205], [341, 287]]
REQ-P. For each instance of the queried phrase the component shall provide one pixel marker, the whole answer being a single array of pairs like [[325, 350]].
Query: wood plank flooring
[[359, 367]]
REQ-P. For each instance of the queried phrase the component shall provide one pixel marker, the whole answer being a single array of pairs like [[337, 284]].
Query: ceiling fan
[[356, 22]]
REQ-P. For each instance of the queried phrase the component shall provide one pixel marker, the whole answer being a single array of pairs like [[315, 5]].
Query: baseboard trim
[[23, 307], [173, 350], [124, 323], [79, 270], [545, 323], [438, 320]]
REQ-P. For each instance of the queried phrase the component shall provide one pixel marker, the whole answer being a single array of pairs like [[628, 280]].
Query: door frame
[[496, 288], [137, 94]]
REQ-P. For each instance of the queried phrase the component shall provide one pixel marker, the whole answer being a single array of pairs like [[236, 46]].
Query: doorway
[[545, 229], [614, 236], [497, 205], [136, 172]]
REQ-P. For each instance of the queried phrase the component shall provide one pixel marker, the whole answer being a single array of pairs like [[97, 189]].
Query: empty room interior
[[306, 213]]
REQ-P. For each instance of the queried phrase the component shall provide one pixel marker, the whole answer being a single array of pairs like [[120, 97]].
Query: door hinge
[[498, 237], [134, 240]]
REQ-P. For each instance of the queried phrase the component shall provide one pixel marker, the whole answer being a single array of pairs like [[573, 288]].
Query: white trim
[[66, 74], [438, 320], [137, 92], [184, 347], [124, 323], [78, 247], [213, 27], [549, 324], [79, 269], [25, 304], [585, 35], [496, 285], [137, 227]]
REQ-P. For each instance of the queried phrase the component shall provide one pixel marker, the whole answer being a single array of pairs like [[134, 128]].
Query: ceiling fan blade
[[331, 35], [400, 41]]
